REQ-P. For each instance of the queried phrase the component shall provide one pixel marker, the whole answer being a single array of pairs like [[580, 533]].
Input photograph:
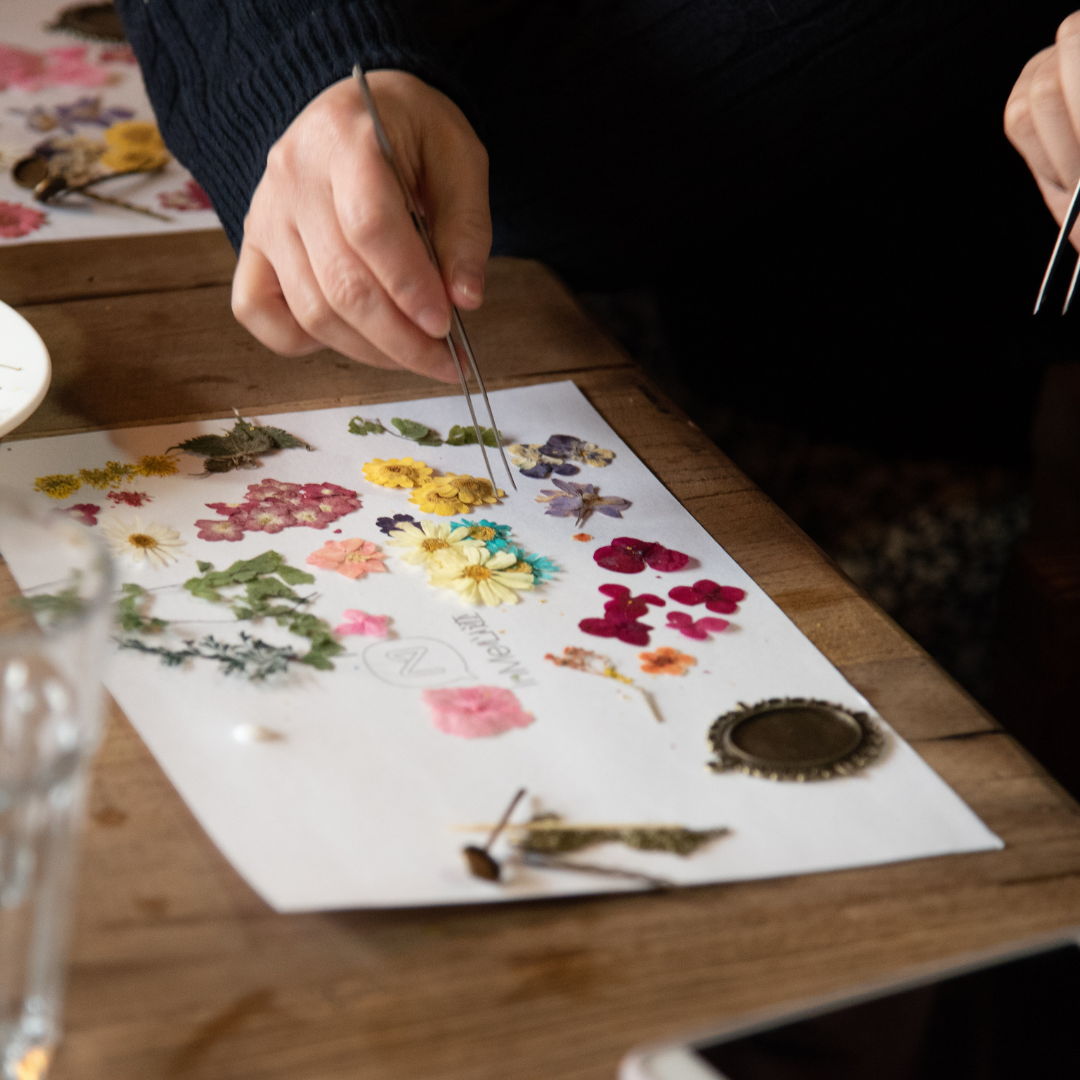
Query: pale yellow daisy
[[427, 543], [480, 576]]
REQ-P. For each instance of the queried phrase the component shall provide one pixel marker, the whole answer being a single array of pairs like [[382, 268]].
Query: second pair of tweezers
[[457, 341]]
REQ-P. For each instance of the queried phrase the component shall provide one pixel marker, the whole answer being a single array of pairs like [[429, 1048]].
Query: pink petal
[[685, 594], [665, 559], [619, 559]]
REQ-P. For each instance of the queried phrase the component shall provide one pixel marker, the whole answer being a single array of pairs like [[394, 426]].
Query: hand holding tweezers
[[1058, 255], [457, 340]]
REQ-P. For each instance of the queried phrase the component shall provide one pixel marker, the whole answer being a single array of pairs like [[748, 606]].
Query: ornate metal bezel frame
[[864, 745]]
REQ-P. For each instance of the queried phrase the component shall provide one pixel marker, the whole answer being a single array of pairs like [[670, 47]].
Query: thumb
[[459, 216]]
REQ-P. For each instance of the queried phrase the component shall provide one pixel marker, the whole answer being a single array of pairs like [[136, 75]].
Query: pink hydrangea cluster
[[272, 505]]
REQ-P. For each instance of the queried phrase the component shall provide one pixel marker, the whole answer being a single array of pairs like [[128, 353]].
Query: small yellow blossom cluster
[[443, 495], [112, 474], [461, 562], [134, 146]]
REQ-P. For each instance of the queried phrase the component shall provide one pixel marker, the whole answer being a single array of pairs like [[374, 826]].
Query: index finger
[[375, 222]]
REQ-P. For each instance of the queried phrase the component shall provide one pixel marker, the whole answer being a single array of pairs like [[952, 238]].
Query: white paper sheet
[[75, 218], [357, 804]]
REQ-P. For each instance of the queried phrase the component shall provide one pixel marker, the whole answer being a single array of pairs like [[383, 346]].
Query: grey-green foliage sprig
[[421, 433]]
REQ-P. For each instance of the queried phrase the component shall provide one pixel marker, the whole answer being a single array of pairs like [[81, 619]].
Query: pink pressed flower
[[271, 489], [476, 711], [628, 630], [84, 512], [338, 505], [624, 605], [36, 71], [190, 197], [269, 517], [354, 558], [117, 54], [311, 515], [360, 622], [18, 220], [230, 528], [723, 599], [129, 498], [230, 509], [699, 629], [319, 491], [625, 555]]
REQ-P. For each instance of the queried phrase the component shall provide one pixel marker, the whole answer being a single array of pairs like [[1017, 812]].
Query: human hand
[[1042, 118], [330, 257]]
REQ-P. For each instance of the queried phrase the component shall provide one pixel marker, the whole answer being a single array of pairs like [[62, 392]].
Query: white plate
[[24, 369]]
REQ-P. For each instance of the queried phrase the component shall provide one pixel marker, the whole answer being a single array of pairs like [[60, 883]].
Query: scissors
[[457, 341]]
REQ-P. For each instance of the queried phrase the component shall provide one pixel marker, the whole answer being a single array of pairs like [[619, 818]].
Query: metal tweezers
[[1057, 256], [457, 341]]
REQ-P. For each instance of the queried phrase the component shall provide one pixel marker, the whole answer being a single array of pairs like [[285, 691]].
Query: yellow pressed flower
[[58, 485], [428, 542], [134, 144], [480, 576], [397, 472], [156, 465], [475, 490], [439, 496], [112, 474]]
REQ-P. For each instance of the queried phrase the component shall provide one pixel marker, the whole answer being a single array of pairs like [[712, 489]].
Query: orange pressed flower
[[665, 661]]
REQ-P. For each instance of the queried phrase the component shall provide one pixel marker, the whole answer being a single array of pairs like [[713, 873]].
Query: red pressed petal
[[665, 559], [633, 633], [715, 625], [616, 613], [686, 594], [650, 598], [619, 559], [599, 627], [679, 619], [617, 591], [722, 607]]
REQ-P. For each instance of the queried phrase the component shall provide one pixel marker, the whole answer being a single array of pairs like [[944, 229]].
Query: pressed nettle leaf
[[240, 447]]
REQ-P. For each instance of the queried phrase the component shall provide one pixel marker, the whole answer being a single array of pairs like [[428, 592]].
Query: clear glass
[[52, 643]]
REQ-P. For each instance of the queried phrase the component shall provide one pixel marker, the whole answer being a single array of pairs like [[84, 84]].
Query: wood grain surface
[[179, 970]]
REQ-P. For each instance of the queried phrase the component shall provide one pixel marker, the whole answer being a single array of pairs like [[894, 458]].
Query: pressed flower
[[157, 465], [17, 220], [626, 555], [439, 496], [397, 472], [624, 605], [269, 517], [142, 541], [582, 538], [190, 197], [58, 485], [476, 490], [229, 528], [695, 628], [595, 456], [580, 500], [631, 631], [496, 537], [665, 661], [354, 558], [476, 711], [35, 71], [360, 622], [129, 498], [323, 491], [480, 576], [86, 513], [543, 568], [426, 543], [571, 448], [723, 599], [533, 462], [388, 524], [112, 474], [134, 145]]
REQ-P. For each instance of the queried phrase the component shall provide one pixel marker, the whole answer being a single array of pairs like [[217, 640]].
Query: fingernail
[[469, 286], [434, 322]]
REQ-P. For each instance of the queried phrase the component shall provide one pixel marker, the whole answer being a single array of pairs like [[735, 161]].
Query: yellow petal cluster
[[134, 145], [397, 472]]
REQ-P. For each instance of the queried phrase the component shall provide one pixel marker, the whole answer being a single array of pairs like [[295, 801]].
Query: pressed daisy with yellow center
[[397, 472], [480, 576], [142, 542], [427, 542]]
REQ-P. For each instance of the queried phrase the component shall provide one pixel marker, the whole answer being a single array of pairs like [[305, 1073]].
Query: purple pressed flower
[[562, 446], [388, 524], [626, 555], [580, 500]]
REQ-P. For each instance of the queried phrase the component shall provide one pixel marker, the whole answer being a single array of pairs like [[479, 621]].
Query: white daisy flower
[[142, 542]]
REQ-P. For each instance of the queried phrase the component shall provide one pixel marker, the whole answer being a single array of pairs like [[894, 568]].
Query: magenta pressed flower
[[722, 599], [698, 629], [360, 622], [129, 498], [626, 555], [622, 629], [83, 512], [18, 220], [624, 605]]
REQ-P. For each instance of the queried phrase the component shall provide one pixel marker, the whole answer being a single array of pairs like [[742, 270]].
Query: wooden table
[[179, 970]]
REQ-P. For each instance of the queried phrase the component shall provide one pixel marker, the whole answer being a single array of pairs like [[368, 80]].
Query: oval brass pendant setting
[[794, 739]]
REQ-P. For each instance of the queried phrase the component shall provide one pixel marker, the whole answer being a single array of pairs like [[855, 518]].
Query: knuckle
[[363, 225], [349, 289], [1045, 87], [1069, 27], [1017, 117], [313, 314]]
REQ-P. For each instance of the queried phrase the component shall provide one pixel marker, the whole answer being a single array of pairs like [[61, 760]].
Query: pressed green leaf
[[293, 576], [359, 426], [206, 445], [282, 440], [410, 428], [204, 566], [460, 436], [490, 436]]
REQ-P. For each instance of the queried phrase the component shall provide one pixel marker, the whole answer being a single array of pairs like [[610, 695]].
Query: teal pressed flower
[[494, 537]]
